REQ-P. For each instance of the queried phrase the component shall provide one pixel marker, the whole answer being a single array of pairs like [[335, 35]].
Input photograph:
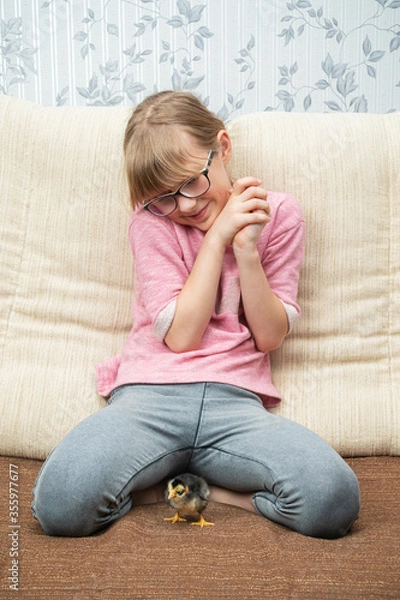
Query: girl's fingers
[[248, 188], [242, 184], [254, 205]]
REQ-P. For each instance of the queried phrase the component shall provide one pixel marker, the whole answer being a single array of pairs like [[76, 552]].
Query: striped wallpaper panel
[[240, 56]]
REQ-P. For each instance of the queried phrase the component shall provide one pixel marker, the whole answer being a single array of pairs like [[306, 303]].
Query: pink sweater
[[164, 253]]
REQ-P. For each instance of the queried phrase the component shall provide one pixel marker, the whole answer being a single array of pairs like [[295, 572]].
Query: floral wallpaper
[[239, 56]]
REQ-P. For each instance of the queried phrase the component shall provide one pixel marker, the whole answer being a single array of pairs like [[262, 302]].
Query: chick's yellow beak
[[172, 494]]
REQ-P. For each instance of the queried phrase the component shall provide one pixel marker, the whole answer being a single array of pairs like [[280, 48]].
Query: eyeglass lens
[[193, 188], [196, 186]]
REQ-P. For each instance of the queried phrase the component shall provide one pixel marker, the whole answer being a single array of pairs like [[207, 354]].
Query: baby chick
[[188, 494]]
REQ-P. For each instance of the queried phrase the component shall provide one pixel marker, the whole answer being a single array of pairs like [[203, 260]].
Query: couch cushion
[[67, 277], [340, 369], [66, 272]]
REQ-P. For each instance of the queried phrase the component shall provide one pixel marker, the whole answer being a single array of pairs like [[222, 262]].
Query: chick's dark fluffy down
[[188, 495]]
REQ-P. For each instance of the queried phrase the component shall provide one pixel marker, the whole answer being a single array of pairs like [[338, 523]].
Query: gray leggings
[[150, 432]]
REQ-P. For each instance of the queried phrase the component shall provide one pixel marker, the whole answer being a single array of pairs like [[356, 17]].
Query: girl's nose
[[186, 205]]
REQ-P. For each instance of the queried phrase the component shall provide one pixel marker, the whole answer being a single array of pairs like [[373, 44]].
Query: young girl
[[216, 274]]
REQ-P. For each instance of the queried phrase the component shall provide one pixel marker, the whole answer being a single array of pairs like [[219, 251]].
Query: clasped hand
[[244, 216]]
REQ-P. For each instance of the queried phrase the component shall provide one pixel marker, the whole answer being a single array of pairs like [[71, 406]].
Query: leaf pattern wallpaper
[[239, 56]]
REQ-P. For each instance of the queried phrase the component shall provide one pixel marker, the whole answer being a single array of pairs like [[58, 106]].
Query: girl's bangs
[[161, 165]]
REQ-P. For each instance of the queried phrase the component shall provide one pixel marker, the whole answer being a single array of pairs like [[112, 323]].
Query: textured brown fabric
[[243, 557]]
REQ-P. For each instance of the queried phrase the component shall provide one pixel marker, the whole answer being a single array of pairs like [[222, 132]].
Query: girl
[[216, 274]]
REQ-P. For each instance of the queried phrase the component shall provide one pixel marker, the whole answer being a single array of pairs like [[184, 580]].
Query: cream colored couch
[[67, 276]]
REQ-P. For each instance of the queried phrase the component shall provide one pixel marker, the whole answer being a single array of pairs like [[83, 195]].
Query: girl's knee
[[339, 504], [342, 504], [58, 512], [68, 507], [326, 509]]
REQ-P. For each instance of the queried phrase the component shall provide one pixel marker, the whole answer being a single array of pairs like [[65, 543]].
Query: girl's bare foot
[[151, 495], [224, 496]]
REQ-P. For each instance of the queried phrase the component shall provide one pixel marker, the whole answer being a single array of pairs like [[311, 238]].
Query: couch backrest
[[340, 369], [67, 276]]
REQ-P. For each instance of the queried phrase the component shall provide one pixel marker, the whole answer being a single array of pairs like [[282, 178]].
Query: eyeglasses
[[194, 187]]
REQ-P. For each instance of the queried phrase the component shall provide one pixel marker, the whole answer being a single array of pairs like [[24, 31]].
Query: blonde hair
[[154, 147]]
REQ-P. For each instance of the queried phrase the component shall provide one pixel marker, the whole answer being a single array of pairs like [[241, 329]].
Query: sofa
[[67, 282]]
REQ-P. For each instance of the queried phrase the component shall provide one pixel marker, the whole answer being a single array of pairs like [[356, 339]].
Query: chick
[[188, 494]]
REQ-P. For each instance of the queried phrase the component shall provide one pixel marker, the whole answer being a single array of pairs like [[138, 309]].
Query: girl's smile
[[197, 216], [200, 215]]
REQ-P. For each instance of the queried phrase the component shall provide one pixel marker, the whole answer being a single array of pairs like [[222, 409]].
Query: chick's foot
[[202, 522], [175, 519]]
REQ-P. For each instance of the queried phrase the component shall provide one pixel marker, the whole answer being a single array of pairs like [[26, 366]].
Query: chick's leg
[[175, 519], [202, 522]]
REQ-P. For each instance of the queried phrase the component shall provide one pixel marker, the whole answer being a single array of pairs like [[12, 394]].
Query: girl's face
[[201, 212]]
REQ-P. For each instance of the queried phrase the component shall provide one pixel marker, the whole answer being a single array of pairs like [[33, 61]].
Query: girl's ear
[[225, 145]]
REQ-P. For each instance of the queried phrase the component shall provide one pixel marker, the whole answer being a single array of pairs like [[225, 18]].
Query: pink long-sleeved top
[[164, 254]]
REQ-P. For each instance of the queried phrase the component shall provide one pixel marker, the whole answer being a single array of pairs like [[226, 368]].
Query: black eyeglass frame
[[147, 205]]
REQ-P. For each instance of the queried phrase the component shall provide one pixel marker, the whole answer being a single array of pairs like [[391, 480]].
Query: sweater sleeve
[[160, 271], [283, 251]]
